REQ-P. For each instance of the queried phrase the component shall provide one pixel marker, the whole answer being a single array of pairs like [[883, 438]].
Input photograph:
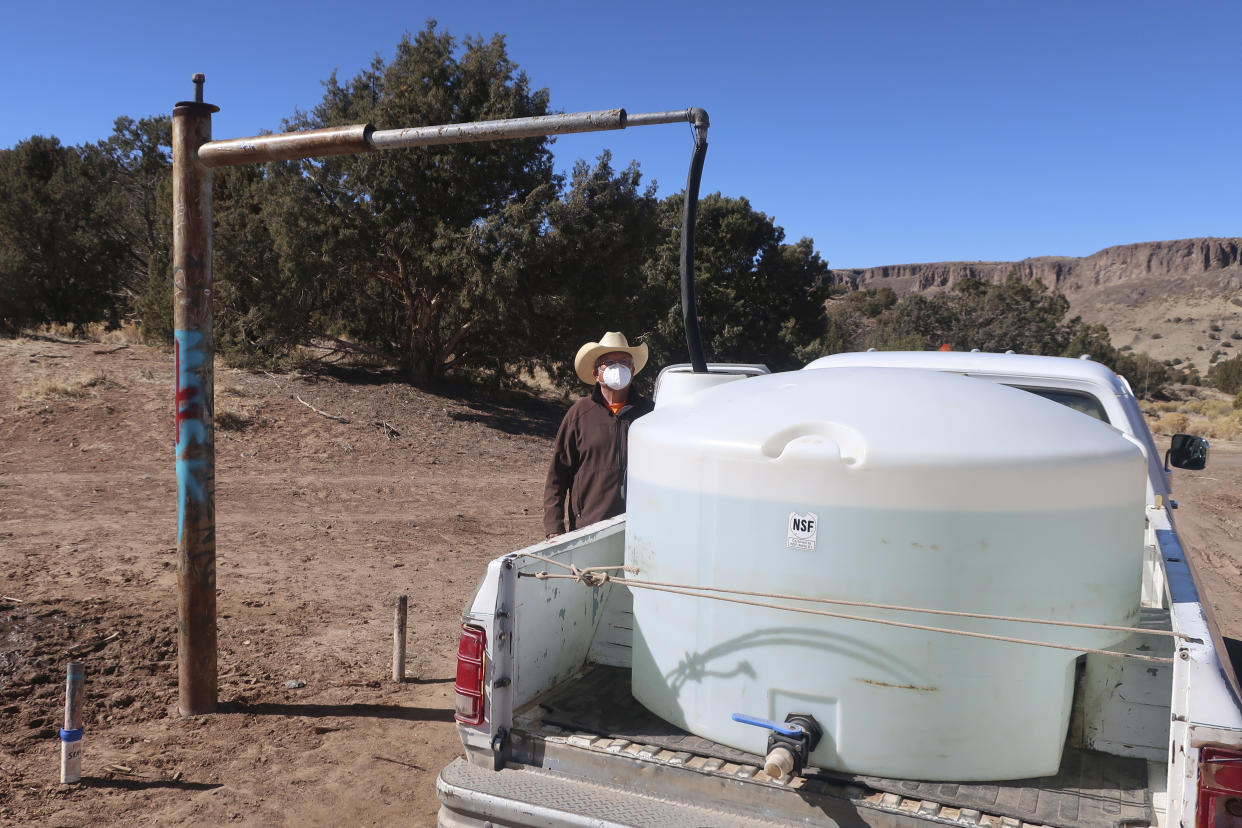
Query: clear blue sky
[[889, 132]]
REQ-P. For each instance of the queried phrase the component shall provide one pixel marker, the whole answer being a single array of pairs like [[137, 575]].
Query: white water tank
[[899, 487]]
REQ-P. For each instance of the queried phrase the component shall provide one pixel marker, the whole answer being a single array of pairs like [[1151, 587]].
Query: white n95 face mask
[[616, 377]]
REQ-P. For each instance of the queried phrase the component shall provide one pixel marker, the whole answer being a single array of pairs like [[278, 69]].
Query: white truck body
[[558, 741]]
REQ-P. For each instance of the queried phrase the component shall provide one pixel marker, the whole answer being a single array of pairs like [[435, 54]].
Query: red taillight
[[1220, 788], [471, 650]]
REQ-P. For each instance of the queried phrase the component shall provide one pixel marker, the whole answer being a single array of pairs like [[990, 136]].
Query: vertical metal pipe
[[194, 345], [71, 733], [398, 639]]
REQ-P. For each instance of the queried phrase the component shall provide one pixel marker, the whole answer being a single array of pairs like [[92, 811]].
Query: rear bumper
[[474, 797]]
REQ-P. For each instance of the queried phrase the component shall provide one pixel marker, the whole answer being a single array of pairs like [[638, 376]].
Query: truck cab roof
[[975, 362], [1082, 384]]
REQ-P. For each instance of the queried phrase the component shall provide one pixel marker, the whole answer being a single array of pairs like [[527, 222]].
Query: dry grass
[[233, 411], [1173, 422], [63, 389], [1229, 428], [128, 334], [1211, 407], [1210, 414]]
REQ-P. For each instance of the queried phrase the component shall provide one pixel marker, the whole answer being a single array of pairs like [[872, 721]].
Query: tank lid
[[874, 425]]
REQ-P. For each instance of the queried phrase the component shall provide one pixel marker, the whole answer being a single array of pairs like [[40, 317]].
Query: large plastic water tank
[[901, 487]]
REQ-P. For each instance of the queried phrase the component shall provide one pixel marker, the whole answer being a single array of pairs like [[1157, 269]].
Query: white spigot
[[779, 764]]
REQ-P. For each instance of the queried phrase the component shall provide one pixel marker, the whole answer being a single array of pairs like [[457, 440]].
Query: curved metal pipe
[[689, 307]]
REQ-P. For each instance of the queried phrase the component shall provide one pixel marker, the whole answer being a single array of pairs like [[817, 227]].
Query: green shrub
[[1227, 375]]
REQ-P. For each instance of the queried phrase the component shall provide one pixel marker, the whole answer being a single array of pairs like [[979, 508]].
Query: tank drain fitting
[[789, 744]]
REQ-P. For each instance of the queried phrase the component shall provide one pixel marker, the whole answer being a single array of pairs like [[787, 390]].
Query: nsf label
[[802, 531]]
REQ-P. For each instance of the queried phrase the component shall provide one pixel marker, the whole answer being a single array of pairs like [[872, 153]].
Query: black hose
[[689, 308]]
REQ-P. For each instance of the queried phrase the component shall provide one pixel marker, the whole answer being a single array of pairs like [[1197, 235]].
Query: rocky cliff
[[1175, 300], [1216, 262]]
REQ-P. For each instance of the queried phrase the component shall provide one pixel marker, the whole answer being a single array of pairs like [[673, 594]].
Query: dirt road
[[1209, 521], [320, 524]]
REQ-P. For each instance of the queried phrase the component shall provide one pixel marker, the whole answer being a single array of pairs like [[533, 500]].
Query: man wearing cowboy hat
[[588, 458]]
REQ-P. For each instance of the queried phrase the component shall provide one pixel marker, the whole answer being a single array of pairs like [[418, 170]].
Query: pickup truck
[[553, 735]]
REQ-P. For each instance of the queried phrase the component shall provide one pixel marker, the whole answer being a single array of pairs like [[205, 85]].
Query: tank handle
[[849, 442]]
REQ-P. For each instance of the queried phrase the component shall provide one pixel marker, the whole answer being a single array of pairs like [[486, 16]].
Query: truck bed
[[583, 726], [564, 744]]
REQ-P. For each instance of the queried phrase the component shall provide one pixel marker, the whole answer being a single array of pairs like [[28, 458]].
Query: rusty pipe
[[364, 137], [286, 146], [194, 347], [507, 128]]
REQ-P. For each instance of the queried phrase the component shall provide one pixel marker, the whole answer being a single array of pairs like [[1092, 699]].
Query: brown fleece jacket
[[588, 462]]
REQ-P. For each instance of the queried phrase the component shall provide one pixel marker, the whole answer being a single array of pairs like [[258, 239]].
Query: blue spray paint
[[191, 403]]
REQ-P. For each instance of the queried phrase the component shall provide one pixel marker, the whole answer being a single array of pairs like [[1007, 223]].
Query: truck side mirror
[[1186, 452]]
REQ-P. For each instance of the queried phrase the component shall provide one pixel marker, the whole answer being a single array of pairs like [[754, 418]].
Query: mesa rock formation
[[1177, 299], [1218, 260]]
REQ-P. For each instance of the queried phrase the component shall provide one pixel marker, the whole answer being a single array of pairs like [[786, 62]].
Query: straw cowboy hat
[[584, 362]]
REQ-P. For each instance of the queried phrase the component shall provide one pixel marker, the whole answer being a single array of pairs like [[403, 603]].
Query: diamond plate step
[[473, 796]]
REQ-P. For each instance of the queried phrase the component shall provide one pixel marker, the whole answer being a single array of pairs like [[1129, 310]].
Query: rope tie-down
[[597, 576]]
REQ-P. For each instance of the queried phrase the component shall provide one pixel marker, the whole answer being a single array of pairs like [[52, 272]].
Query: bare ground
[[320, 524], [1167, 318], [1209, 521]]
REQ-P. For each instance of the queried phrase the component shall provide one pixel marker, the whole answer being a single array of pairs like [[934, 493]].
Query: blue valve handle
[[780, 727]]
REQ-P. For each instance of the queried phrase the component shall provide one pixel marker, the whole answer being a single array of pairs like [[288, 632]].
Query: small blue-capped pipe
[[780, 727]]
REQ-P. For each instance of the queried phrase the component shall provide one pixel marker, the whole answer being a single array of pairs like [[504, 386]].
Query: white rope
[[593, 576], [596, 579], [864, 604]]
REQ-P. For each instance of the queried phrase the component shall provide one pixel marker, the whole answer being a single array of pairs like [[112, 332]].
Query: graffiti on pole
[[191, 355]]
